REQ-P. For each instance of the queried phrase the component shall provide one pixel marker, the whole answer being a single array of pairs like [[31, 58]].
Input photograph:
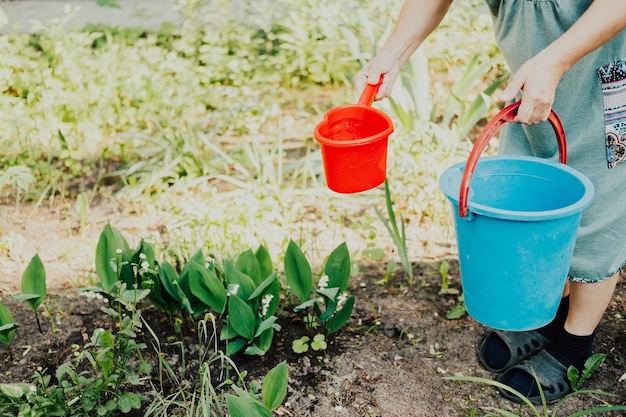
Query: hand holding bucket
[[353, 141], [505, 115], [516, 230]]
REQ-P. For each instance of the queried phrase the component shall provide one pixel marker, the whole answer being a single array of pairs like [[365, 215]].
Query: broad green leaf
[[245, 407], [234, 276], [326, 315], [263, 286], [228, 333], [16, 390], [254, 350], [305, 305], [34, 282], [330, 293], [249, 265], [198, 257], [168, 277], [274, 387], [6, 332], [235, 346], [298, 272], [110, 241], [241, 317], [341, 317], [192, 268], [265, 324], [207, 287], [337, 267], [265, 262], [7, 326]]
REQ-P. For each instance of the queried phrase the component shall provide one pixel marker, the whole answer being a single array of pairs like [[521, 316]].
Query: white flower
[[91, 294], [142, 256], [232, 290], [265, 304], [118, 251], [145, 265], [341, 300], [323, 282]]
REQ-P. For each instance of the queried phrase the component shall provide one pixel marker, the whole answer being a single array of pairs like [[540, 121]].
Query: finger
[[512, 89]]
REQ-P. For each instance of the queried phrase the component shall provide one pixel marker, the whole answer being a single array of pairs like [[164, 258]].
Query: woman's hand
[[537, 80], [371, 72]]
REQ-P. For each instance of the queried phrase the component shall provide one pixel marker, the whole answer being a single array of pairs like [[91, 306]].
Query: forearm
[[598, 25], [417, 20]]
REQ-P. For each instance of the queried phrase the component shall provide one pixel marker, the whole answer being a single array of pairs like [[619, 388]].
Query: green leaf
[[265, 324], [456, 312], [7, 326], [195, 305], [274, 387], [245, 407], [234, 276], [235, 346], [249, 265], [265, 340], [241, 317], [341, 317], [168, 276], [330, 293], [16, 390], [128, 401], [108, 244], [305, 305], [267, 282], [298, 272], [34, 282], [207, 287], [337, 267], [265, 262], [319, 342], [300, 345]]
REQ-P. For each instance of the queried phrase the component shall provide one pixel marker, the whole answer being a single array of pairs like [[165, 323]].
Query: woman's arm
[[538, 78], [417, 19]]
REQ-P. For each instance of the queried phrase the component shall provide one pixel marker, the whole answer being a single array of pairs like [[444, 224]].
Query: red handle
[[505, 115], [369, 92]]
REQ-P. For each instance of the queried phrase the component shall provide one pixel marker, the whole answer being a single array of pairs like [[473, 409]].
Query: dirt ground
[[391, 359]]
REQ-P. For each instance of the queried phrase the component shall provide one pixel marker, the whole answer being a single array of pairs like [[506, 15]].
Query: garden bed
[[390, 360]]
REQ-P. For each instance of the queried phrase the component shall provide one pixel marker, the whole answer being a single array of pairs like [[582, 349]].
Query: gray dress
[[591, 102]]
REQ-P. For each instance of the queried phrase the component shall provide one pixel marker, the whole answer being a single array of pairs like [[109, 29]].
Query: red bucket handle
[[369, 92], [505, 115]]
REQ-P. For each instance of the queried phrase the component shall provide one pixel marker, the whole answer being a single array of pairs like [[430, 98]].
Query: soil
[[390, 360]]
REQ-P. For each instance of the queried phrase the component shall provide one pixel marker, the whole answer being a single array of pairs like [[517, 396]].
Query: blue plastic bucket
[[516, 227]]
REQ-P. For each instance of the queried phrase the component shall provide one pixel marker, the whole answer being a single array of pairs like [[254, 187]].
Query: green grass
[[209, 124]]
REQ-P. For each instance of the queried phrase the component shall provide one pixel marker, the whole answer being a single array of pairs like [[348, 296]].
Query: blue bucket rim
[[481, 209]]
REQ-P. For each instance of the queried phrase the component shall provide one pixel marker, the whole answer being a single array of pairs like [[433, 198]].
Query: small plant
[[34, 290], [578, 378], [458, 310], [330, 304], [114, 363], [273, 392], [253, 297], [7, 327], [397, 234], [544, 406]]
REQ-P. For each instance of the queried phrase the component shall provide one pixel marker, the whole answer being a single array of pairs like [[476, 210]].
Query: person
[[569, 56]]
